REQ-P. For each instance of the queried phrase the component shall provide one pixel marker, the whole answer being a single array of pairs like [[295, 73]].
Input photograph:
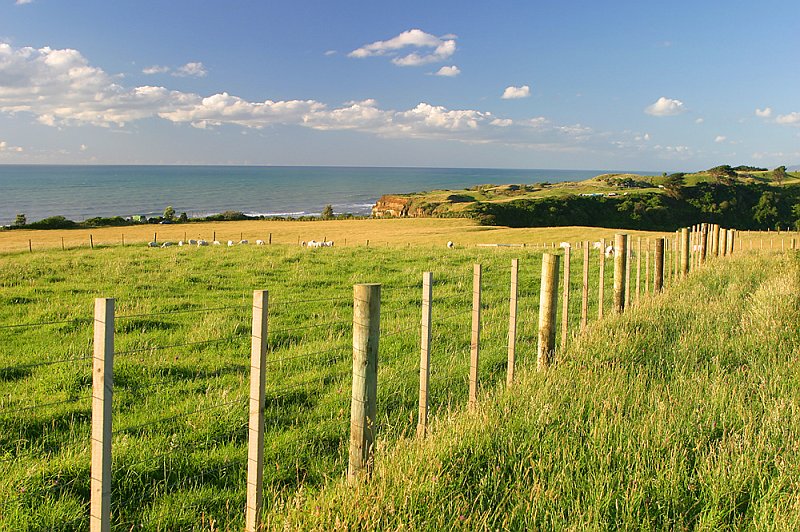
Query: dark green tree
[[20, 220], [779, 174], [723, 174], [766, 210], [169, 213], [327, 212], [674, 184]]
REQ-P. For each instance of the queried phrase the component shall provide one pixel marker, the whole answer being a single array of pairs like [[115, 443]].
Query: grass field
[[181, 379]]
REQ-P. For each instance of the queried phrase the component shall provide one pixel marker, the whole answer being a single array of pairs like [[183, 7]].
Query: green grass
[[594, 442]]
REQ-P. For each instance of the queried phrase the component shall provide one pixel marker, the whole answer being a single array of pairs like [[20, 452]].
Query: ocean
[[81, 192]]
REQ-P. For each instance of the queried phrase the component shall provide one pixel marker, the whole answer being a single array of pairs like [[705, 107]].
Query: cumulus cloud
[[448, 71], [437, 48], [155, 69], [720, 138], [23, 2], [191, 70], [60, 88], [789, 119], [513, 93], [4, 147], [764, 113], [665, 107]]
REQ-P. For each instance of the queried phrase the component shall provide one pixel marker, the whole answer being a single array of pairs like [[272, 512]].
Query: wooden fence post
[[475, 341], [62, 243], [363, 406], [715, 240], [620, 256], [628, 271], [270, 238], [91, 242], [638, 267], [512, 322], [703, 242], [684, 251], [565, 303], [548, 304], [731, 240], [102, 395], [425, 353], [600, 291], [676, 250], [647, 269], [658, 267], [255, 438], [723, 242], [585, 291]]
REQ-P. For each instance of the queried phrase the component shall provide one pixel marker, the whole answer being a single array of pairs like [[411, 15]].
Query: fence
[[120, 471]]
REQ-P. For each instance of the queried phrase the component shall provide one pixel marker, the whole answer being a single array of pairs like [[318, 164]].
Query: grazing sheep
[[180, 243], [313, 244], [166, 244], [610, 251], [450, 244], [230, 243], [259, 242], [217, 243], [565, 245], [201, 242], [597, 245], [242, 242], [152, 244], [193, 242]]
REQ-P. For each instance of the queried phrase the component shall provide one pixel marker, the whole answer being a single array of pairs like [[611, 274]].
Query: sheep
[[313, 244], [193, 242], [610, 251], [597, 245], [565, 245], [242, 242], [217, 243], [201, 242], [450, 244], [166, 244], [230, 243], [180, 243], [152, 244], [259, 242]]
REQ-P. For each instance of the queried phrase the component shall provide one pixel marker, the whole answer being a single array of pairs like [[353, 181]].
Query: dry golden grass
[[392, 232]]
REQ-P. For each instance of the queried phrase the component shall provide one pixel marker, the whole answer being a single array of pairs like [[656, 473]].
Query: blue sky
[[563, 84]]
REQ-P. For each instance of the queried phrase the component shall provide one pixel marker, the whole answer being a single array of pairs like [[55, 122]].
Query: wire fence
[[174, 409]]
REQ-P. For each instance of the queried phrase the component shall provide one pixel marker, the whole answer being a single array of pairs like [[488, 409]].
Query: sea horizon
[[79, 192]]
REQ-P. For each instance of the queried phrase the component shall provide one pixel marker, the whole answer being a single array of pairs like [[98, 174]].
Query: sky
[[619, 84]]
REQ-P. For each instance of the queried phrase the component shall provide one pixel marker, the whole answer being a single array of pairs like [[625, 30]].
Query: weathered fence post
[[703, 242], [102, 394], [658, 267], [512, 322], [628, 248], [731, 240], [91, 242], [715, 240], [363, 406], [425, 353], [565, 299], [676, 247], [62, 243], [684, 252], [255, 439], [638, 267], [620, 256], [723, 242], [475, 340], [270, 238], [600, 290], [585, 288], [647, 269], [548, 304]]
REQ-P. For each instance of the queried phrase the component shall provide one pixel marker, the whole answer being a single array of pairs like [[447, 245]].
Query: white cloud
[[439, 48], [23, 2], [764, 113], [330, 52], [512, 93], [502, 122], [665, 107], [448, 71], [790, 119], [720, 138], [4, 147], [84, 147], [699, 121], [155, 69], [193, 70]]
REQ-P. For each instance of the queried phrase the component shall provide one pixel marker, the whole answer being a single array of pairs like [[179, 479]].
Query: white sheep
[[230, 243], [217, 243], [597, 245], [565, 245], [610, 251], [450, 244], [180, 243], [201, 242], [152, 244], [259, 242]]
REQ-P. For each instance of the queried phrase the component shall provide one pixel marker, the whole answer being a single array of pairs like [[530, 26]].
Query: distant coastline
[[80, 192]]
